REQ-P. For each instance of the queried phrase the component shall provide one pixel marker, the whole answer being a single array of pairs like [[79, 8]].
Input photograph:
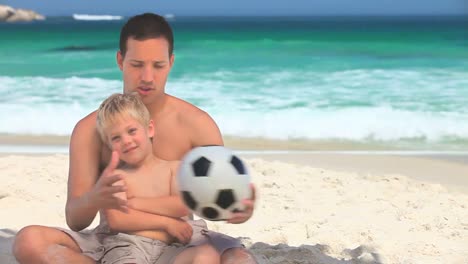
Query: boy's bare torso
[[152, 181]]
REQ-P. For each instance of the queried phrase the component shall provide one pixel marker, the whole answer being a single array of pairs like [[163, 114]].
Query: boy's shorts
[[125, 248]]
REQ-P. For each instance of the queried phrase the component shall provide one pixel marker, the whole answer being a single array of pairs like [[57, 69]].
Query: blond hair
[[118, 106]]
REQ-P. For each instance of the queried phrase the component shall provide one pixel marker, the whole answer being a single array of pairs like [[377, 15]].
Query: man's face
[[145, 67]]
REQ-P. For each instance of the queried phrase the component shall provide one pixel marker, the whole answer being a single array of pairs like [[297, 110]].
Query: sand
[[310, 209]]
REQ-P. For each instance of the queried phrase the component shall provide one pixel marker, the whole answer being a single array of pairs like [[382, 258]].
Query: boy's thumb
[[113, 163]]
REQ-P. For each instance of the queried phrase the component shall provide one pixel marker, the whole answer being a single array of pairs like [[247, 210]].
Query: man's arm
[[82, 175], [87, 193], [204, 130]]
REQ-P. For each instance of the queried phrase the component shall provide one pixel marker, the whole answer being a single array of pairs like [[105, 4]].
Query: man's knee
[[32, 242], [27, 237], [237, 255], [206, 254], [27, 241]]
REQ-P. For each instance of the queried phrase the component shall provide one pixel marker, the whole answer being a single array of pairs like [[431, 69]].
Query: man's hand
[[180, 229], [104, 194], [241, 217]]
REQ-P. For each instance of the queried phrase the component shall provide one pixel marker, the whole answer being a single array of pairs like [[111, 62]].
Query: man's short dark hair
[[146, 26]]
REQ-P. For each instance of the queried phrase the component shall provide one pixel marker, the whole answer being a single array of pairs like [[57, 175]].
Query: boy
[[124, 124]]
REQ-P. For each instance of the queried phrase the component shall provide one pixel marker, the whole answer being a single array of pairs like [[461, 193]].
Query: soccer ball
[[213, 182]]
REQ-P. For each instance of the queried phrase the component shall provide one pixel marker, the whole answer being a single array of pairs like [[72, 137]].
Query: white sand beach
[[311, 209]]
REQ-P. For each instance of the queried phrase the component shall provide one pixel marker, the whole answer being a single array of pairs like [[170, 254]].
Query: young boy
[[123, 122]]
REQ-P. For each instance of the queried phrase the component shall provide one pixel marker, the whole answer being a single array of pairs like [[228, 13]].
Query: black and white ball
[[213, 182]]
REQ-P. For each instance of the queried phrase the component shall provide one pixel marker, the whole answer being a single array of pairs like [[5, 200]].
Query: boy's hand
[[241, 217], [104, 192], [180, 229]]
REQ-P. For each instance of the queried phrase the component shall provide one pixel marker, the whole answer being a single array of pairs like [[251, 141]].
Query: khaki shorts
[[123, 248]]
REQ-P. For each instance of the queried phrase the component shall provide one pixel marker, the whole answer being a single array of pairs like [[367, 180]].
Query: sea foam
[[358, 105]]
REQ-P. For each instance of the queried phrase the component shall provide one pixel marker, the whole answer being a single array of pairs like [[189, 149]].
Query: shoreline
[[447, 167], [251, 144]]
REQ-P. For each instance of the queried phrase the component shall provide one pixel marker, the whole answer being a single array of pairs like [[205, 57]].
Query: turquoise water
[[391, 80]]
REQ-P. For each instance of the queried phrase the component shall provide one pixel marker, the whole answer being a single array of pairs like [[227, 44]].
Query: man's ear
[[120, 60], [151, 129], [171, 60]]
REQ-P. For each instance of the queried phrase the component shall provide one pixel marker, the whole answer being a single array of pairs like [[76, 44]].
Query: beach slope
[[304, 214]]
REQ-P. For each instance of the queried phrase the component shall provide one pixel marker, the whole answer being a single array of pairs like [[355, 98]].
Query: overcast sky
[[245, 7]]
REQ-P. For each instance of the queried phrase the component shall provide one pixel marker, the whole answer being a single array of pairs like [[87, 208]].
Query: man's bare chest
[[171, 146]]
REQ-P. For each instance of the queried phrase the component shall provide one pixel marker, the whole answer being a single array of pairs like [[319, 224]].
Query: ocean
[[395, 81]]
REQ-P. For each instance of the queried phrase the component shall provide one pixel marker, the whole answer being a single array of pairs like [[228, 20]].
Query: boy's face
[[130, 139], [145, 67]]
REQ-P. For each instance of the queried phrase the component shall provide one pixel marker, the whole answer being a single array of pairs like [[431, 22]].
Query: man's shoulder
[[87, 122], [196, 124], [85, 128], [186, 108], [85, 143], [189, 114]]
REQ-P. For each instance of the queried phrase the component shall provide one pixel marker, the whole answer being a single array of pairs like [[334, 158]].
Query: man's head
[[146, 26], [146, 56], [124, 124]]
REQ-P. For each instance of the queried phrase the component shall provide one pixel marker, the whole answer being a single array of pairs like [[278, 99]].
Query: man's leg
[[41, 244], [237, 256], [203, 254]]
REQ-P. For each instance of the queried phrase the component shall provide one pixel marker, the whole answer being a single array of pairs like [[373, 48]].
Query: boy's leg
[[124, 255], [41, 244]]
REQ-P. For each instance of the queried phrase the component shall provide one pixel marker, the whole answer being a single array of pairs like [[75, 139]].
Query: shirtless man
[[145, 59]]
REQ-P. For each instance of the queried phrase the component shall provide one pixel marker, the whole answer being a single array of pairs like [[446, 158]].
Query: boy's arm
[[135, 220], [171, 205]]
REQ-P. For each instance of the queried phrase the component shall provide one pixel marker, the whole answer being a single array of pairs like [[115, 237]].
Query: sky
[[245, 7]]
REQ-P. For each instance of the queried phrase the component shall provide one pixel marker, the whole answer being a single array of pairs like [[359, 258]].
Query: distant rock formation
[[9, 14], [6, 12]]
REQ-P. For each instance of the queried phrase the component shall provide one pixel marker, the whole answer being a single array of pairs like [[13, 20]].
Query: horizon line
[[273, 15]]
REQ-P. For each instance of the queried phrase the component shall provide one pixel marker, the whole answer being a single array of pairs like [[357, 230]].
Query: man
[[145, 59]]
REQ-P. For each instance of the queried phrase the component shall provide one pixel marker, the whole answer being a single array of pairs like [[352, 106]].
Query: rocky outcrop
[[9, 14], [6, 12]]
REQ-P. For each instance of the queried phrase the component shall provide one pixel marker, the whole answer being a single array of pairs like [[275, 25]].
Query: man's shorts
[[125, 248]]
